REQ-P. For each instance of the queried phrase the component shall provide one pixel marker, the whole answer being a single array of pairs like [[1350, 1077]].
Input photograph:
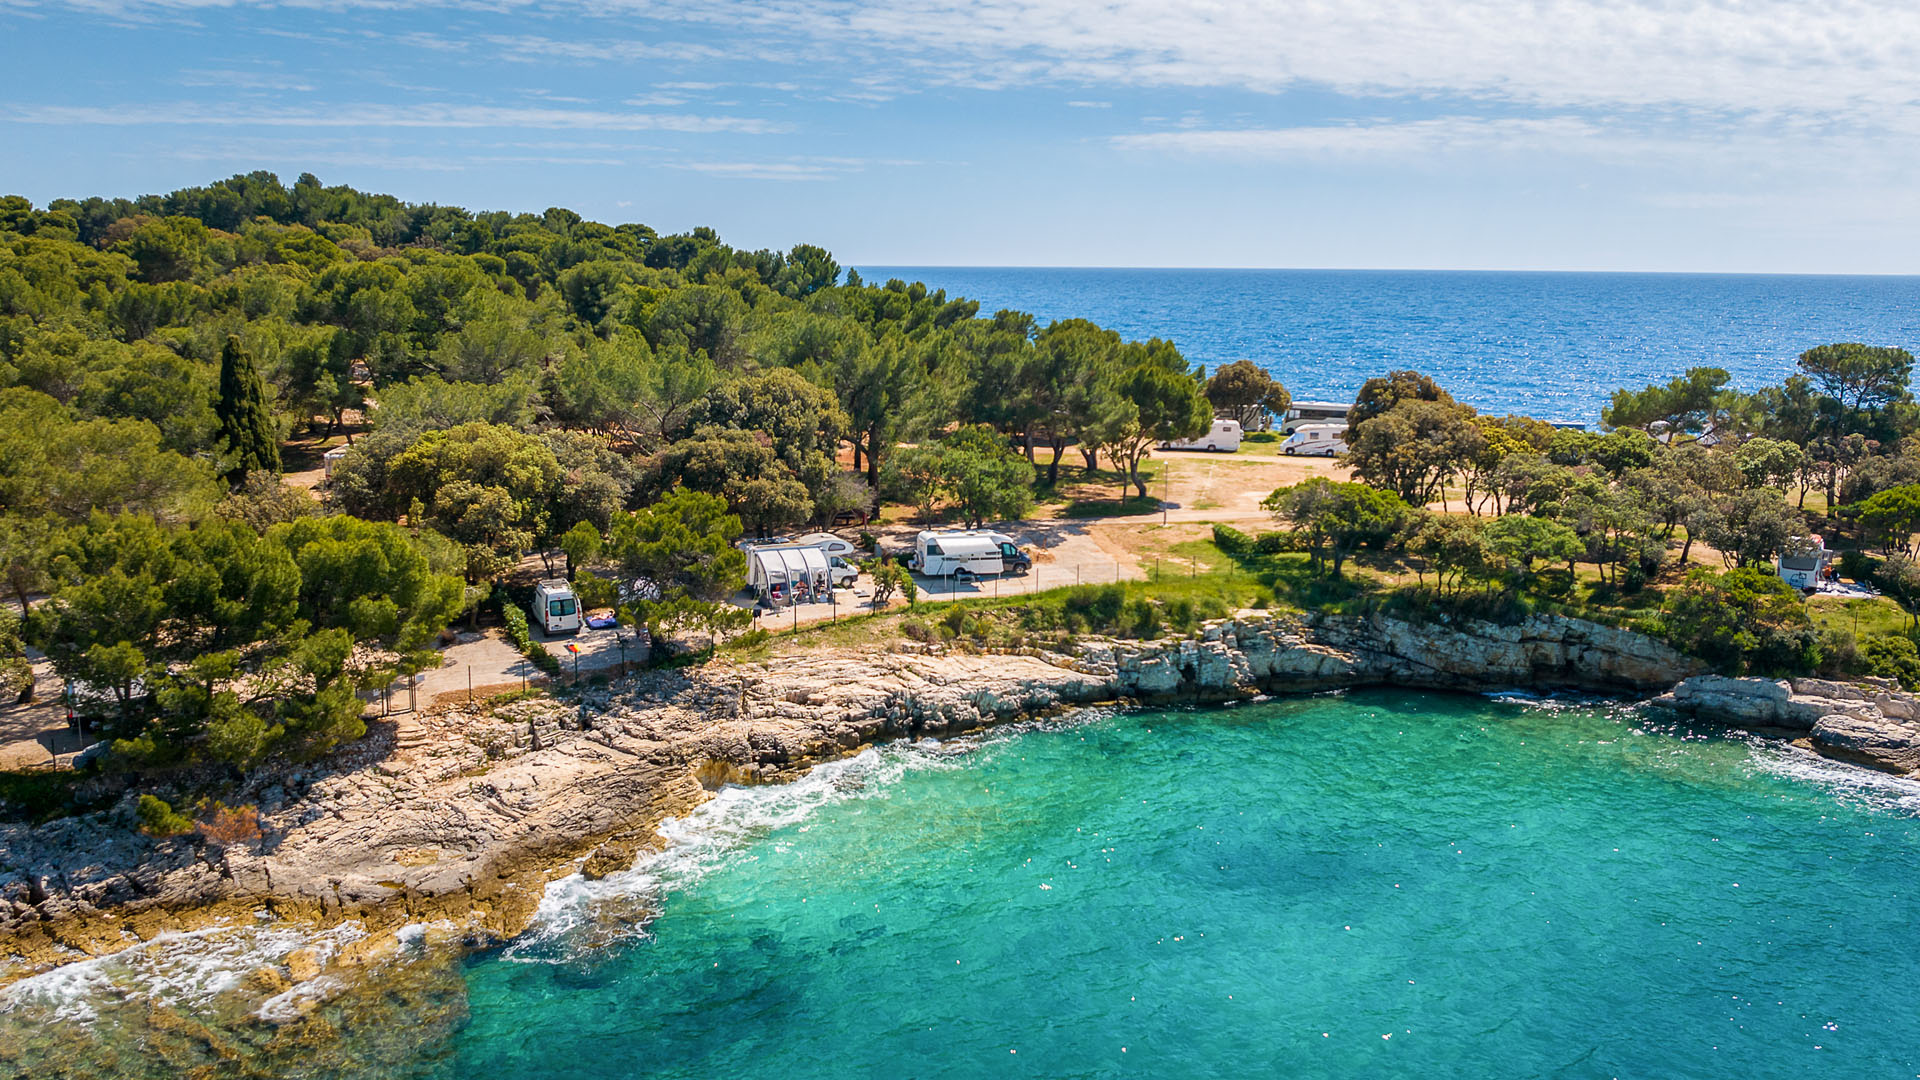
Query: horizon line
[[1382, 270]]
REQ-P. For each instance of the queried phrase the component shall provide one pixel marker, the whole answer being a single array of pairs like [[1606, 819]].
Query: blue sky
[[1760, 135]]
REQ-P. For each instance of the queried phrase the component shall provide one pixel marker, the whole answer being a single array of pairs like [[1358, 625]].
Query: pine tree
[[246, 423]]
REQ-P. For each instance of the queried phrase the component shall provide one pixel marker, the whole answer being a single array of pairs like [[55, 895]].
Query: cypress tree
[[245, 421]]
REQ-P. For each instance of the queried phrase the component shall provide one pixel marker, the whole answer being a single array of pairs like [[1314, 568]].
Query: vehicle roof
[[1319, 427], [822, 538], [1322, 404], [963, 543]]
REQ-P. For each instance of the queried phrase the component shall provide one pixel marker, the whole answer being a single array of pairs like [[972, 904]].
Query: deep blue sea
[[1552, 345]]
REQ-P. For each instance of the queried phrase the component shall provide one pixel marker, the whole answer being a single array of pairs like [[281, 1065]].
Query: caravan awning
[[790, 564]]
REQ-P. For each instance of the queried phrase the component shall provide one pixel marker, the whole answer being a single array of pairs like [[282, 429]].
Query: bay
[[1370, 884]]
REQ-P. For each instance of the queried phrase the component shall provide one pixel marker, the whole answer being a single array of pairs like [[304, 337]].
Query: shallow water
[[1349, 885]]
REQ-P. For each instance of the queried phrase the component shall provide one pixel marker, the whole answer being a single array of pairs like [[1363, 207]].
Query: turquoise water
[[1551, 345], [1367, 885]]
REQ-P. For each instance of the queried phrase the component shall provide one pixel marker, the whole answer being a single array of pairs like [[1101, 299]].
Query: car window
[[560, 607], [933, 548]]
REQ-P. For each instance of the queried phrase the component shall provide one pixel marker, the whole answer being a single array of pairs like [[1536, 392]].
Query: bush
[[1273, 543], [1231, 540], [1742, 621], [158, 819], [752, 639], [917, 630], [1891, 657], [1858, 565], [231, 825], [517, 631], [910, 589]]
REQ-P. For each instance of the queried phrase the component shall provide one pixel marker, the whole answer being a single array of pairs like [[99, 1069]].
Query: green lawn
[[1864, 618]]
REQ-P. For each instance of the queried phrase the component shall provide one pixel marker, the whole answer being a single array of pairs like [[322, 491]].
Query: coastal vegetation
[[180, 373]]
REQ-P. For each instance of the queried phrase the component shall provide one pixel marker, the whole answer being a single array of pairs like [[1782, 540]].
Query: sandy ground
[[35, 735]]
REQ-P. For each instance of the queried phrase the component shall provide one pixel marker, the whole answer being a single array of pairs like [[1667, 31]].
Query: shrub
[[1231, 540], [1273, 543], [517, 631], [1858, 565], [917, 630], [1744, 620], [1182, 615], [158, 819], [752, 639], [910, 589], [1891, 657], [542, 659], [230, 825], [1140, 619]]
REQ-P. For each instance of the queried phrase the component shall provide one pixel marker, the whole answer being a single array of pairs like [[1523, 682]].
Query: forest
[[508, 383], [626, 405]]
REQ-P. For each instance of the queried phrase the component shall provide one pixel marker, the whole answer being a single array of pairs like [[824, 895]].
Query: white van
[[1224, 437], [1316, 440], [556, 608], [940, 554]]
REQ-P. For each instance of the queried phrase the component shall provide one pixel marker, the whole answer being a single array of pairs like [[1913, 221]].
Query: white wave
[[180, 969], [1850, 784], [289, 1004], [576, 913]]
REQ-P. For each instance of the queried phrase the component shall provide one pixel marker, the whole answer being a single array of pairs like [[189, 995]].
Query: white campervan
[[827, 542], [556, 607], [1224, 437], [1316, 440], [940, 554]]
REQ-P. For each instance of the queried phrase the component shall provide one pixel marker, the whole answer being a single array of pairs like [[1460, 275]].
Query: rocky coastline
[[466, 820]]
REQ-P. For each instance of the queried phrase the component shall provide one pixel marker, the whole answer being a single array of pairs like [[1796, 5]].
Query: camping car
[[827, 542], [1314, 412], [1224, 437], [556, 607], [1316, 440], [1804, 568], [941, 554]]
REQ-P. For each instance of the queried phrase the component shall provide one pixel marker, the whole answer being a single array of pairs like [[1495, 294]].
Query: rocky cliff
[[469, 823]]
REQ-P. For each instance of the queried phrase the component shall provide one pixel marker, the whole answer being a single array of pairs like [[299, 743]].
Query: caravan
[[1314, 412], [941, 554], [1223, 436]]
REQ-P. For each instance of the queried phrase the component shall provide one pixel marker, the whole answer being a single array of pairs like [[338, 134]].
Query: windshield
[[560, 607]]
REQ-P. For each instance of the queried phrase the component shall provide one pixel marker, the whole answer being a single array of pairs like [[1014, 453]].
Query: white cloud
[[379, 116], [1439, 135], [245, 80], [1841, 61]]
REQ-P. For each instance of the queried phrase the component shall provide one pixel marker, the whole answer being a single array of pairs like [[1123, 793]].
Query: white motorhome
[[940, 554], [1316, 440], [1805, 567], [1223, 436], [797, 573], [556, 608], [827, 542], [1314, 412]]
